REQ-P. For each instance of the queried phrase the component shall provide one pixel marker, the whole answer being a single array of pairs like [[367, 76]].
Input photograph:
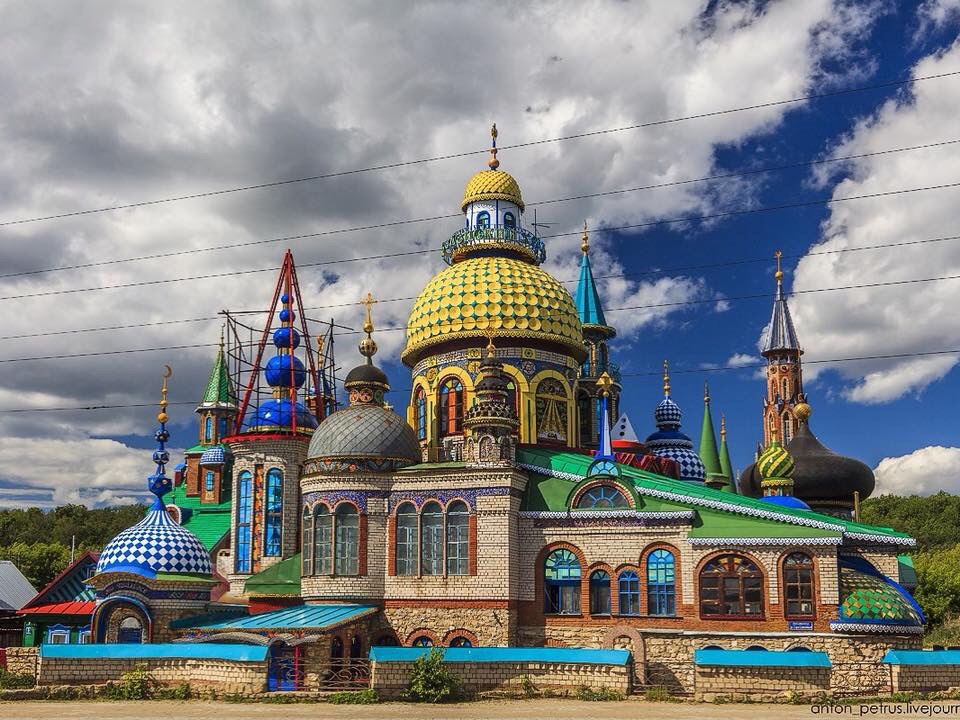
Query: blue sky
[[154, 106]]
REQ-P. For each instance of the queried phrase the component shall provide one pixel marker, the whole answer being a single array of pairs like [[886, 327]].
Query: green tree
[[39, 562], [938, 583]]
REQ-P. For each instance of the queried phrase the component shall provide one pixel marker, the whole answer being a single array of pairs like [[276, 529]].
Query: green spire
[[726, 467], [219, 392], [708, 443]]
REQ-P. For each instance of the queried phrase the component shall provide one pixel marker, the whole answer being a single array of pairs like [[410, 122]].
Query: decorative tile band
[[755, 541], [445, 495], [601, 515], [908, 542], [871, 628], [332, 497]]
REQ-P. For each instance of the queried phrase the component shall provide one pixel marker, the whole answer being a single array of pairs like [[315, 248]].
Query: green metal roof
[[575, 466], [219, 391], [280, 579], [726, 467], [708, 441], [208, 522]]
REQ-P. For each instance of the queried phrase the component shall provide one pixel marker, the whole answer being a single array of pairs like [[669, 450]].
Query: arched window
[[512, 396], [208, 429], [356, 647], [322, 540], [208, 480], [661, 583], [347, 546], [483, 219], [731, 586], [223, 428], [629, 593], [273, 515], [431, 539], [551, 411], [602, 497], [130, 631], [420, 413], [406, 542], [451, 407], [306, 545], [561, 583], [460, 641], [798, 585], [458, 542], [509, 221], [599, 592], [786, 389], [244, 516], [787, 428], [422, 641]]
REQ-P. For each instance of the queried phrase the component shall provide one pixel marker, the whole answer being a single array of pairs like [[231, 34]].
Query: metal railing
[[466, 238], [352, 674]]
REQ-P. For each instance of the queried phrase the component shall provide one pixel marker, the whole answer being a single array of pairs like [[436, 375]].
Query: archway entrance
[[130, 631], [285, 671]]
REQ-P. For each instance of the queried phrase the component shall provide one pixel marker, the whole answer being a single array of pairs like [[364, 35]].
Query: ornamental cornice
[[839, 626], [760, 541]]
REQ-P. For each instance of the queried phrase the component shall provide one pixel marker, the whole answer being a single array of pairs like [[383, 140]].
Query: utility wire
[[651, 223], [394, 328], [450, 156], [649, 373], [410, 221]]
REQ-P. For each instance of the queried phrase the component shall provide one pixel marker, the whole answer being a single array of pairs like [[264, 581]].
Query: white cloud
[[132, 101], [938, 12], [742, 360], [901, 319], [922, 472]]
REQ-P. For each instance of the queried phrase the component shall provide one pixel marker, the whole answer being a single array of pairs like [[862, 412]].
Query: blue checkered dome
[[154, 545], [213, 456], [691, 466], [667, 413]]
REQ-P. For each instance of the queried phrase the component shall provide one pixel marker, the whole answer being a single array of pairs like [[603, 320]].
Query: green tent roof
[[219, 391], [708, 441], [561, 468], [726, 467], [280, 579]]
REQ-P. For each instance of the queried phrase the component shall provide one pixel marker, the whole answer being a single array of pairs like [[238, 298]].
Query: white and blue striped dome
[[216, 455], [154, 545]]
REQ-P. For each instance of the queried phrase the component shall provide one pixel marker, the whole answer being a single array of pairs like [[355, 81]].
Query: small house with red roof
[[60, 613]]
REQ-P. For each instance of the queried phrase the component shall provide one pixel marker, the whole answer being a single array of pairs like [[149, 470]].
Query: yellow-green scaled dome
[[492, 185], [775, 462], [500, 295]]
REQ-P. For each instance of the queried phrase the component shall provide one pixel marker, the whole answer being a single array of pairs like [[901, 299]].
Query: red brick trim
[[434, 638], [472, 544], [392, 544], [460, 632], [677, 576]]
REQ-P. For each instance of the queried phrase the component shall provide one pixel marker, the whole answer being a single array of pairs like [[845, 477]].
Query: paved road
[[491, 710]]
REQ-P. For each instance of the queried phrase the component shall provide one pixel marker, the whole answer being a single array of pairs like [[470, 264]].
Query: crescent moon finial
[[168, 371]]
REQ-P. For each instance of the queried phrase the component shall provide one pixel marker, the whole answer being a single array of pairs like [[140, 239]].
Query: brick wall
[[925, 678], [221, 675], [390, 679]]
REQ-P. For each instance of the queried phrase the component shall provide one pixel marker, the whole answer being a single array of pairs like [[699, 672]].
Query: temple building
[[502, 507]]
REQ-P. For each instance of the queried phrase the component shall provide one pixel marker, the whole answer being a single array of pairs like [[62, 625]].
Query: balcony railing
[[611, 368], [466, 239]]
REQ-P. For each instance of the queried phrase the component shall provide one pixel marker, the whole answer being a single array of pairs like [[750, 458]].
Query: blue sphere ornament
[[278, 415], [282, 338], [161, 456], [159, 485], [278, 371], [286, 315], [284, 298], [161, 436]]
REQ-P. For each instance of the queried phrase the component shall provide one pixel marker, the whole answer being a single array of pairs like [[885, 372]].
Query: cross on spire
[[493, 163], [666, 378]]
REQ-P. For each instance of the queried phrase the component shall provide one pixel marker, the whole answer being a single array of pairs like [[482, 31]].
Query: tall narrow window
[[223, 429], [483, 219], [798, 585], [244, 516], [420, 413], [509, 221], [406, 539], [661, 583], [273, 514], [451, 407], [347, 540], [786, 389], [322, 540], [431, 539], [599, 592], [306, 544], [458, 543], [787, 428], [731, 586], [208, 429], [208, 482], [561, 583], [629, 593]]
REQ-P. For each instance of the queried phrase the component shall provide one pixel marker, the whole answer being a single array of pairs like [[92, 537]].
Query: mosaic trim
[[501, 354], [118, 587], [871, 628], [608, 514], [700, 541], [468, 495], [729, 507], [332, 497]]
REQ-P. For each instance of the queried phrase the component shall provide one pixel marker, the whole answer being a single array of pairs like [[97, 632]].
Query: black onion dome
[[820, 474], [366, 374]]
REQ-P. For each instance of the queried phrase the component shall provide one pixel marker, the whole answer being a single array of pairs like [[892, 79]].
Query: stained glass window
[[561, 582], [273, 516], [420, 409], [244, 516], [661, 583], [451, 407], [601, 497]]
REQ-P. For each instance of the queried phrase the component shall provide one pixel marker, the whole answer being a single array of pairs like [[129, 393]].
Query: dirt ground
[[490, 710]]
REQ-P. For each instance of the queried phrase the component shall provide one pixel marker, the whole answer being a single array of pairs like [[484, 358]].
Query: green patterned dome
[[499, 296], [868, 598], [775, 462]]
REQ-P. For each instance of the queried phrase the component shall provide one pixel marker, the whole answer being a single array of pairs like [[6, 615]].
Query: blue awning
[[209, 651], [583, 656], [301, 617], [922, 657], [761, 658]]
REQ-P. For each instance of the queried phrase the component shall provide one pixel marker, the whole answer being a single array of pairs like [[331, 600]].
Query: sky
[[115, 103]]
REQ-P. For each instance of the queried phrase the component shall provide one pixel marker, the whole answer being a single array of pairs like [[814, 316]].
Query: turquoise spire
[[587, 297]]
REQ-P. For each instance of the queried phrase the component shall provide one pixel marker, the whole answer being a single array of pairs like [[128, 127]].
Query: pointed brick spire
[[782, 335]]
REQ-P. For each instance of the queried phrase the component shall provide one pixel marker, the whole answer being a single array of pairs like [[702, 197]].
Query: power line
[[450, 156], [126, 351], [410, 221], [651, 223], [649, 373]]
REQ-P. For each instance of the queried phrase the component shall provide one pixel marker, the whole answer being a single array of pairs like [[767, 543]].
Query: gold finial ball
[[802, 411], [161, 417], [778, 275], [368, 347], [585, 239], [493, 163]]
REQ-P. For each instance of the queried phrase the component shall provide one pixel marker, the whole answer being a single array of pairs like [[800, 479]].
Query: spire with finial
[[781, 334], [726, 467], [585, 239], [368, 347], [666, 378], [708, 444], [587, 297], [366, 383], [158, 483], [493, 163]]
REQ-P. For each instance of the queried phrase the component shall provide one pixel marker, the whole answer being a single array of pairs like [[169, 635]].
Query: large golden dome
[[500, 295], [492, 185]]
